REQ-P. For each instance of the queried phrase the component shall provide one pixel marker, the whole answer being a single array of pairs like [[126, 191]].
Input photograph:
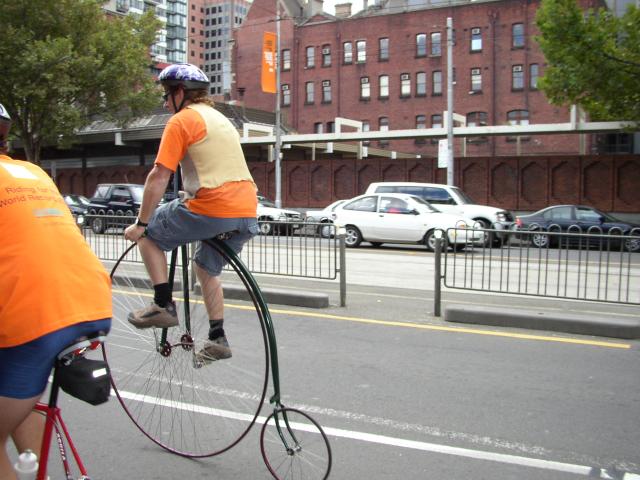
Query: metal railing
[[308, 250], [593, 266]]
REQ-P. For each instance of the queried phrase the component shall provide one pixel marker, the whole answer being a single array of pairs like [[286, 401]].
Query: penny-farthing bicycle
[[199, 411]]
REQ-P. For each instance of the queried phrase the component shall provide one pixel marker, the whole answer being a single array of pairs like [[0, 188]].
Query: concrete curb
[[614, 327], [279, 296]]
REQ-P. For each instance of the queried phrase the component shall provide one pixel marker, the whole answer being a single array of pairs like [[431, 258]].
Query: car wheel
[[325, 230], [98, 225], [489, 237], [130, 213], [353, 237], [376, 244], [540, 240], [458, 247], [266, 227], [430, 241], [632, 245]]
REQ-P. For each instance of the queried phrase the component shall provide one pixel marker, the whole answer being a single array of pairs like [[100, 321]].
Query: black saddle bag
[[86, 379]]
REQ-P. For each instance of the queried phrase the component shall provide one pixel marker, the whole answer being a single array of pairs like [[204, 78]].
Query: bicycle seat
[[81, 346]]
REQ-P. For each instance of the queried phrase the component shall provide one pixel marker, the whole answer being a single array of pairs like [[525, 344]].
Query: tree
[[64, 62], [593, 59]]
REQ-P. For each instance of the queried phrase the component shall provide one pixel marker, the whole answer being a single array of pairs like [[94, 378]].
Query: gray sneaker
[[213, 350], [154, 316]]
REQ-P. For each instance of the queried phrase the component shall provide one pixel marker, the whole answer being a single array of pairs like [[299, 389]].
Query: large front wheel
[[190, 409], [294, 446]]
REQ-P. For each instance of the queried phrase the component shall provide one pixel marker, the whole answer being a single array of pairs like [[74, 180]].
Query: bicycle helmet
[[185, 74], [5, 125], [4, 115]]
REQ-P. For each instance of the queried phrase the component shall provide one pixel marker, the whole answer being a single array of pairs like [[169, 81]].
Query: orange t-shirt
[[49, 277], [231, 199]]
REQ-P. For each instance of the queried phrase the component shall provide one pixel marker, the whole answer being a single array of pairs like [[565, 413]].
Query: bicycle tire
[[190, 411], [307, 454]]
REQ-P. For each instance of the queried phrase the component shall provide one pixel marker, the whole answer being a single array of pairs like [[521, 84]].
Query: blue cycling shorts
[[24, 369]]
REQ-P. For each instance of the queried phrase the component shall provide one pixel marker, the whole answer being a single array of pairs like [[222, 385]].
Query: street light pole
[[277, 146], [449, 101]]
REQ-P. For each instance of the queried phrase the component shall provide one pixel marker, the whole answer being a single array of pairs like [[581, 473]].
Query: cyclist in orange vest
[[54, 291], [219, 196]]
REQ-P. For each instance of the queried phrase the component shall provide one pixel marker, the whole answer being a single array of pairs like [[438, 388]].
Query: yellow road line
[[421, 326]]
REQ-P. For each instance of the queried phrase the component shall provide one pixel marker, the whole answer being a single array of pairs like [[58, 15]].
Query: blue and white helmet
[[4, 115], [185, 74]]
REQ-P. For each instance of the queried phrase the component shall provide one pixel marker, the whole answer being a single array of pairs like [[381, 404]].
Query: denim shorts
[[173, 224], [25, 368]]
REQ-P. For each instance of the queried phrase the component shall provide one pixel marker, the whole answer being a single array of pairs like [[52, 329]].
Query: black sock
[[162, 294], [215, 329]]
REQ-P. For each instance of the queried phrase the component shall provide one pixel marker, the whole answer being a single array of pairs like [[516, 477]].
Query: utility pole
[[278, 144], [449, 101]]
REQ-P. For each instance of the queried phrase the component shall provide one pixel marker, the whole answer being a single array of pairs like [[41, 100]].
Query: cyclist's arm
[[154, 188]]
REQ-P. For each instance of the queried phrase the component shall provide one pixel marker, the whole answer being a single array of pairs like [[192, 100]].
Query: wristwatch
[[140, 223]]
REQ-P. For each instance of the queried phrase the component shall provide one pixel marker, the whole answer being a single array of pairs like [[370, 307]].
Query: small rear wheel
[[294, 446]]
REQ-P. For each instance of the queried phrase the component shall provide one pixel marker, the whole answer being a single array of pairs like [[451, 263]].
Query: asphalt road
[[403, 395]]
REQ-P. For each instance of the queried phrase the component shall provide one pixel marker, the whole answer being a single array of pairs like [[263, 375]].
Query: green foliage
[[65, 61], [593, 59]]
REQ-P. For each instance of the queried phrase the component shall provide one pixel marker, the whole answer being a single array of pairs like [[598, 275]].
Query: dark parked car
[[579, 219], [79, 206], [114, 199]]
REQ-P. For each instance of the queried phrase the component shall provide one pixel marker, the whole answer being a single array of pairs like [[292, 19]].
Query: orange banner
[[268, 80]]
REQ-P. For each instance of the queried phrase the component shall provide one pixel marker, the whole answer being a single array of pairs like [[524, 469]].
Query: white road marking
[[398, 442]]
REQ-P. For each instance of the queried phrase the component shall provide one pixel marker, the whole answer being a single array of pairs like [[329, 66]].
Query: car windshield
[[422, 201], [136, 193], [465, 199], [266, 202]]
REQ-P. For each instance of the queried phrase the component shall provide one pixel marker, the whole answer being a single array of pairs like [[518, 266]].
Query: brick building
[[386, 66]]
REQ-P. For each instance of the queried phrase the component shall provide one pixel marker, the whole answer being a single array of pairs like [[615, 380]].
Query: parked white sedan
[[402, 218]]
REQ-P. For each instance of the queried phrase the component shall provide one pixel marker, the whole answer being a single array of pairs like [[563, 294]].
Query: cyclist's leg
[[209, 264], [14, 413]]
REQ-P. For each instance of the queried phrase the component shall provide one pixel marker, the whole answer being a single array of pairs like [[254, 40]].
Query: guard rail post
[[343, 266], [437, 280]]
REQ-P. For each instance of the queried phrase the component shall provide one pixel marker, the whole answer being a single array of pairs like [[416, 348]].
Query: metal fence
[[590, 266], [309, 250]]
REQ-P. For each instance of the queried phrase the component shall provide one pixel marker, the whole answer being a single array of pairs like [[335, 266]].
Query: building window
[[477, 119], [311, 54], [286, 60], [533, 76], [436, 122], [326, 91], [348, 52], [366, 127], [517, 78], [361, 51], [365, 88], [383, 49], [286, 95], [318, 127], [436, 83], [384, 86], [421, 84], [436, 44], [326, 56], [309, 93], [421, 122], [476, 80], [331, 127], [517, 35], [383, 123], [405, 85], [421, 45], [476, 39], [518, 117]]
